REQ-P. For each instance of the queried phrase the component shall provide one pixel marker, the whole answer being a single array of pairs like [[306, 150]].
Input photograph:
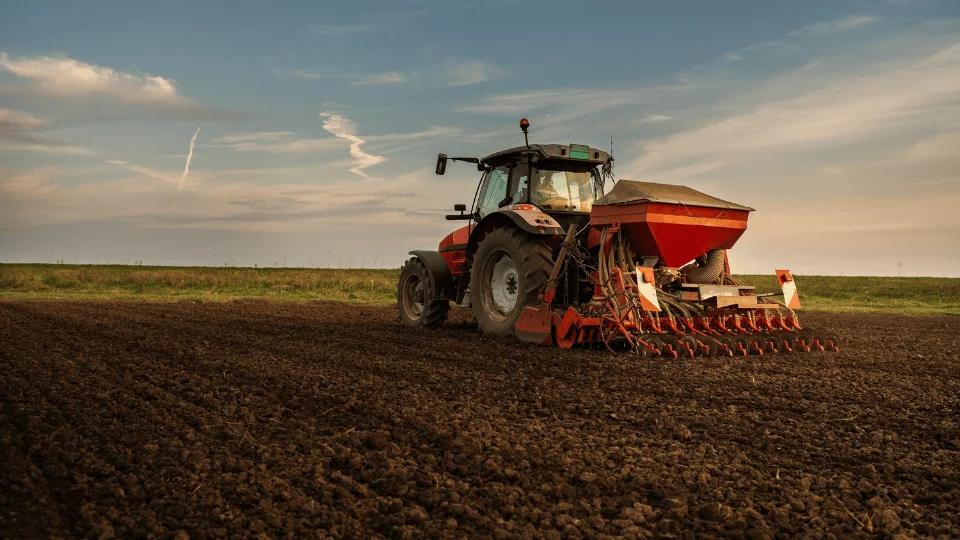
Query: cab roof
[[545, 151]]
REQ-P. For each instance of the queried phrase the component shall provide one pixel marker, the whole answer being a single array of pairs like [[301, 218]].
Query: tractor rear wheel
[[509, 269], [415, 300]]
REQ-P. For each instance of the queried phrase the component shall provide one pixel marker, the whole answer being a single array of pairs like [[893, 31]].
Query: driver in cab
[[545, 193]]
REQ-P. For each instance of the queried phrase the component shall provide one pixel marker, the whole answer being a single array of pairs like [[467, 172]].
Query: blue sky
[[319, 123]]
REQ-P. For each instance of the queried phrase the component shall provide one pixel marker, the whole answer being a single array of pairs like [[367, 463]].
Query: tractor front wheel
[[415, 299], [509, 269]]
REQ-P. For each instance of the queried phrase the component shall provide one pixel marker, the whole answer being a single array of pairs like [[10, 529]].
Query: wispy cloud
[[832, 27], [843, 24], [252, 136], [145, 171], [18, 133], [430, 133], [374, 22], [290, 203], [396, 142], [172, 178], [61, 149], [186, 167], [303, 74], [64, 78], [390, 77], [277, 142], [285, 142], [842, 111], [19, 119], [584, 99], [356, 79], [655, 119], [343, 128], [553, 112], [18, 126], [339, 30], [467, 72]]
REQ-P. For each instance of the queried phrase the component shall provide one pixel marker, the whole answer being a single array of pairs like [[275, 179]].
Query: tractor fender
[[439, 273], [525, 216]]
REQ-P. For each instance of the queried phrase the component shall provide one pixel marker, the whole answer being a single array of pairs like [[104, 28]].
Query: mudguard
[[525, 216], [439, 274], [531, 219]]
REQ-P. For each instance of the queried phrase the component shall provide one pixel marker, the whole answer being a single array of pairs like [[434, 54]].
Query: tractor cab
[[544, 176], [562, 181]]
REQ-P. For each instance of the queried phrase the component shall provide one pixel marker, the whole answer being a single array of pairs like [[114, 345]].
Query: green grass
[[910, 295], [376, 287], [173, 283]]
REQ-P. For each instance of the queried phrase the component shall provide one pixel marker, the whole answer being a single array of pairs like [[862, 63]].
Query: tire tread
[[435, 312]]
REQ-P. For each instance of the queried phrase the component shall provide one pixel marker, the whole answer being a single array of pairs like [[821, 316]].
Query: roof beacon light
[[525, 125]]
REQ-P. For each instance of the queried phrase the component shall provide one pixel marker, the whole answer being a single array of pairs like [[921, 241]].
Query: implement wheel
[[509, 269], [415, 300]]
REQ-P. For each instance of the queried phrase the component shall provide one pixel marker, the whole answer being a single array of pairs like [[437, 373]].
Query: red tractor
[[556, 252]]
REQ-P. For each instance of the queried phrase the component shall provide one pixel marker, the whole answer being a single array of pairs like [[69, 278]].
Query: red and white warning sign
[[790, 296], [647, 290]]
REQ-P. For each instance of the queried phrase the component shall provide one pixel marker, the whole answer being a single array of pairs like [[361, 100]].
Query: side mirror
[[441, 164], [459, 208]]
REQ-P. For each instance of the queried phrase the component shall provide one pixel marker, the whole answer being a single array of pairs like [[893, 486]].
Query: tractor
[[556, 251]]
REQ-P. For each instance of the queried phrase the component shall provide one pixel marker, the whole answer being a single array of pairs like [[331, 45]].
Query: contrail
[[186, 168], [343, 128]]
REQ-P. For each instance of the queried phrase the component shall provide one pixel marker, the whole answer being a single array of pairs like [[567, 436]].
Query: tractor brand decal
[[645, 286], [790, 297]]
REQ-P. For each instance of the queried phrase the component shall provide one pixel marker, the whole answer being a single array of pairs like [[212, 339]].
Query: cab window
[[519, 184], [562, 190], [493, 191]]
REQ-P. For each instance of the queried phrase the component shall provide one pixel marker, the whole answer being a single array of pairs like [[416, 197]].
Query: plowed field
[[212, 420]]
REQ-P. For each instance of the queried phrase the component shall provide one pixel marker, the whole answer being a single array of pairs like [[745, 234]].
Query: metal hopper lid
[[628, 191]]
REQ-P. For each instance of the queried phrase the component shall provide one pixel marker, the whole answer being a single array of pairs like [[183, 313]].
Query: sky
[[306, 133]]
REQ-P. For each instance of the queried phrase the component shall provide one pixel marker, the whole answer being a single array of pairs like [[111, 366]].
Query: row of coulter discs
[[689, 346]]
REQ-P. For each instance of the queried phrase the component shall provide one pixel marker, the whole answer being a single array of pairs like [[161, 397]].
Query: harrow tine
[[786, 344], [689, 343], [708, 346], [672, 344], [726, 346], [648, 348], [830, 341], [743, 345], [657, 345]]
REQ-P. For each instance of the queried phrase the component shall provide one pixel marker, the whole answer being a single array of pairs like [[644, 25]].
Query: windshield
[[563, 190]]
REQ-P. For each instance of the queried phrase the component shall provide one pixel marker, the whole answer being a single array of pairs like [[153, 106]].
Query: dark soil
[[216, 420]]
